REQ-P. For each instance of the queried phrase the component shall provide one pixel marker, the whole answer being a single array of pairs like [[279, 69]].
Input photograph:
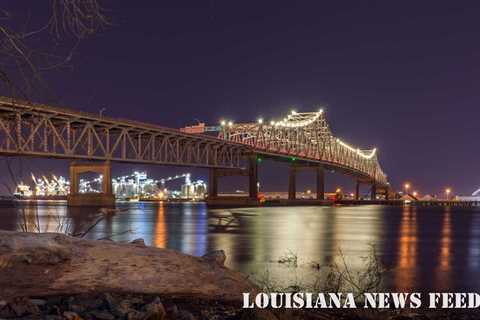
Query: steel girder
[[30, 129]]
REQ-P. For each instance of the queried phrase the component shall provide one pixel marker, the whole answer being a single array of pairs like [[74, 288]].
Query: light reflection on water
[[424, 248]]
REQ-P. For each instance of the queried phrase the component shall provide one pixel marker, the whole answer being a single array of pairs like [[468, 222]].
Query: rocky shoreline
[[111, 306], [54, 276]]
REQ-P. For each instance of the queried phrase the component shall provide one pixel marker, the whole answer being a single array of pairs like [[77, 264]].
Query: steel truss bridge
[[30, 129], [306, 137]]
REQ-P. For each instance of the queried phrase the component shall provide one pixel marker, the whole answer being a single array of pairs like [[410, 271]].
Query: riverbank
[[53, 276]]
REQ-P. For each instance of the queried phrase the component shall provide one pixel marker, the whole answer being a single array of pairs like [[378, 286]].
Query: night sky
[[401, 76]]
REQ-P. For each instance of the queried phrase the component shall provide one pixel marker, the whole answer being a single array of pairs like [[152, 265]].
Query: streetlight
[[448, 191], [406, 186]]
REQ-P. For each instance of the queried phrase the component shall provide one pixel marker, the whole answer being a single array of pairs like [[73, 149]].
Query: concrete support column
[[107, 178], [357, 190], [373, 194], [103, 199], [73, 179], [252, 177], [320, 183], [212, 183], [292, 183]]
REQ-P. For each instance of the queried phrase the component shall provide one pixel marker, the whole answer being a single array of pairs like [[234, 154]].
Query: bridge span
[[303, 139]]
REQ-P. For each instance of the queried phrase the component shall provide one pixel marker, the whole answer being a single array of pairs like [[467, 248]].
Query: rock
[[257, 314], [69, 315], [139, 242], [155, 310], [79, 266], [185, 315], [172, 312], [135, 315], [218, 257], [23, 306], [38, 302], [102, 315]]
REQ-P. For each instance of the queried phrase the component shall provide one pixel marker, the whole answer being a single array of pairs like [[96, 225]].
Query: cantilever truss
[[28, 129], [306, 136]]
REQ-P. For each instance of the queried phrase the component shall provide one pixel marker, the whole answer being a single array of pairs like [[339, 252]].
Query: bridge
[[302, 139]]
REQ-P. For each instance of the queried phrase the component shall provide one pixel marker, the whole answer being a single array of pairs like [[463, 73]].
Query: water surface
[[424, 248]]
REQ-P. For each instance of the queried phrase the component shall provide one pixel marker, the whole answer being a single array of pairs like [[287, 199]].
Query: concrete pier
[[104, 199]]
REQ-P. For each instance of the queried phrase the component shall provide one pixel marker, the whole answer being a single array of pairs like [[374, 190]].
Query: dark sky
[[402, 76]]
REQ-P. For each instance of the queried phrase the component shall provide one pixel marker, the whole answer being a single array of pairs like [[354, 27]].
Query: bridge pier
[[292, 181], [213, 183], [104, 199], [357, 190], [252, 177], [320, 183], [373, 192], [251, 172]]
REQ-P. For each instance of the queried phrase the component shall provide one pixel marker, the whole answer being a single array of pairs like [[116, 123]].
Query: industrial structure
[[136, 186], [302, 139]]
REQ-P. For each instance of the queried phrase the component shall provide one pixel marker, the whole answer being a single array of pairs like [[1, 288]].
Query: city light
[[414, 193], [223, 122], [447, 192], [406, 186], [260, 120], [230, 123]]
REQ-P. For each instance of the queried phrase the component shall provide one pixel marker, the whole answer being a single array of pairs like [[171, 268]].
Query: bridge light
[[230, 123], [260, 120], [294, 112], [223, 122], [320, 111], [272, 123]]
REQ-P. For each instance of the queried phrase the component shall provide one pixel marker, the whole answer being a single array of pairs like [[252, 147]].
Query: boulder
[[217, 257], [46, 264]]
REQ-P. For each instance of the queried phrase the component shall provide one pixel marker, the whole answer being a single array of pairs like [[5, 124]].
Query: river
[[423, 248]]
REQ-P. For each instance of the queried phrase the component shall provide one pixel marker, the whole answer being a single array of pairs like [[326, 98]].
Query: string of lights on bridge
[[297, 120]]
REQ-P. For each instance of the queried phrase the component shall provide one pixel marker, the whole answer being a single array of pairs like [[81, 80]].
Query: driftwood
[[35, 264]]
